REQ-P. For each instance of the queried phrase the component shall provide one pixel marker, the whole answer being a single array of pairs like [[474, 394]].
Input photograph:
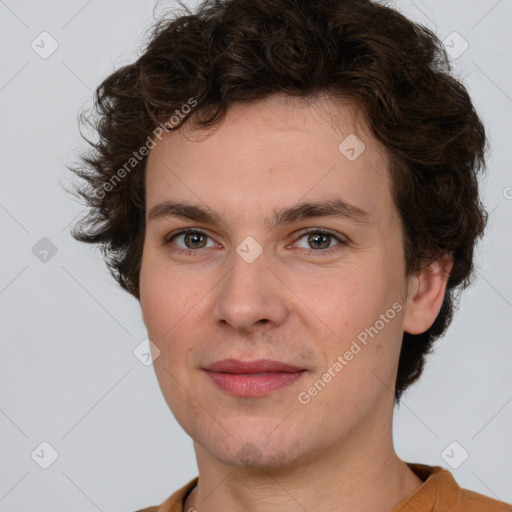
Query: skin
[[335, 452]]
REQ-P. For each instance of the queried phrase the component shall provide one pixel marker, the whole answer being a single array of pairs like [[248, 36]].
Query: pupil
[[194, 237], [314, 239]]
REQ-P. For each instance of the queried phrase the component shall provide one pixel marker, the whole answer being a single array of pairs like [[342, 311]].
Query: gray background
[[68, 373]]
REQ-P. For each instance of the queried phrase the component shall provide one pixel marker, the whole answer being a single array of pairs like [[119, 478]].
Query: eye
[[191, 238], [188, 241], [320, 240]]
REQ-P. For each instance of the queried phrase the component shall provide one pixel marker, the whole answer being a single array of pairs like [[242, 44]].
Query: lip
[[256, 366], [252, 378]]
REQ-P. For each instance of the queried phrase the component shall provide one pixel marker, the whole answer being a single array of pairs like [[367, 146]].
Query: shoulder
[[442, 492], [174, 503], [465, 500], [474, 502]]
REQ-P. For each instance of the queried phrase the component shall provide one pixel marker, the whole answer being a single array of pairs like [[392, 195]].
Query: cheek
[[154, 300], [166, 299], [360, 311], [174, 317], [346, 299], [165, 296]]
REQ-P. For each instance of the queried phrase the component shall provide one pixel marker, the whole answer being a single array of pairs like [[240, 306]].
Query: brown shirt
[[439, 493]]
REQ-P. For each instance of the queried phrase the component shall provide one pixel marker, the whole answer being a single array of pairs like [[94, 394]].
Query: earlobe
[[425, 296]]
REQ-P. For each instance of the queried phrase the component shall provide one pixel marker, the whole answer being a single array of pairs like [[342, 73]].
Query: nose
[[251, 297]]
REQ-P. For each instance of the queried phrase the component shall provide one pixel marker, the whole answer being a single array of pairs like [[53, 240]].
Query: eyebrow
[[335, 208]]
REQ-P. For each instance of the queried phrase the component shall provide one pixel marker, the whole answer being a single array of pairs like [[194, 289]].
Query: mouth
[[252, 378]]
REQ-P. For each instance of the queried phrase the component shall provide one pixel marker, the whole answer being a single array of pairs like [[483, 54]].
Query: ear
[[425, 295]]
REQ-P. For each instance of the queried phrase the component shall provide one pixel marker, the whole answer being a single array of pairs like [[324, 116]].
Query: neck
[[361, 473]]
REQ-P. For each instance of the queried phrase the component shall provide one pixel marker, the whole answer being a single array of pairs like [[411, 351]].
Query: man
[[289, 189]]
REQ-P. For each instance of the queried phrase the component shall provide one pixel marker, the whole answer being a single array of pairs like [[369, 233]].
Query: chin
[[248, 449], [251, 455]]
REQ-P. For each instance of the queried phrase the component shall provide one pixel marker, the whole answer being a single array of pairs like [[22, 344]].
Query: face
[[262, 278]]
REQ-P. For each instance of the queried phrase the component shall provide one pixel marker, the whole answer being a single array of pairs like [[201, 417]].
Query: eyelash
[[189, 252]]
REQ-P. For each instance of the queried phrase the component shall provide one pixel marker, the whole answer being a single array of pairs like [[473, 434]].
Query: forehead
[[272, 153]]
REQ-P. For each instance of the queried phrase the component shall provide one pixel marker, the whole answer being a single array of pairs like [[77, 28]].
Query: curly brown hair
[[228, 51]]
